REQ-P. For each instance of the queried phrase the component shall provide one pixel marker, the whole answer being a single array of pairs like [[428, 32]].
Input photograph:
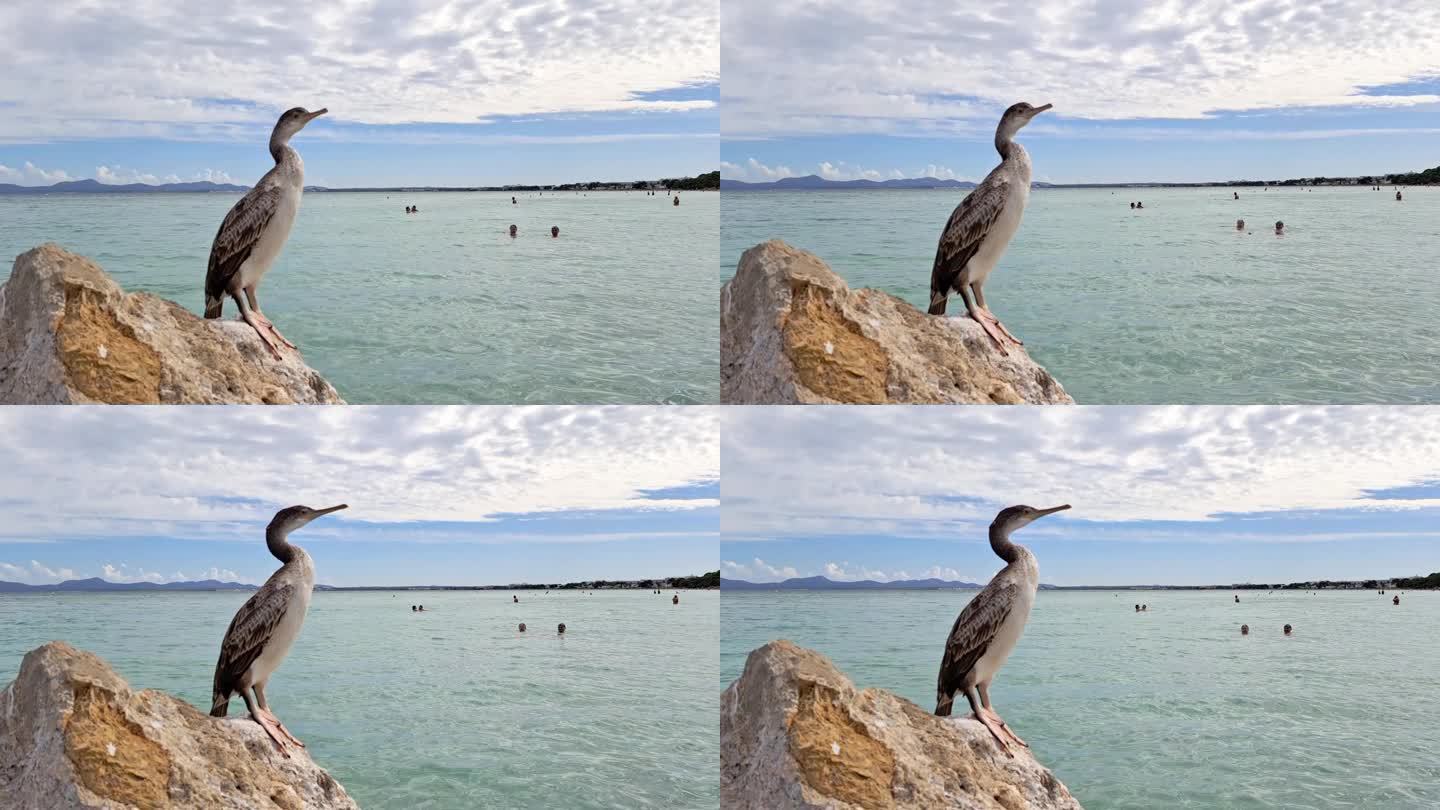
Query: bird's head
[[293, 517], [293, 120], [1015, 517], [1017, 117]]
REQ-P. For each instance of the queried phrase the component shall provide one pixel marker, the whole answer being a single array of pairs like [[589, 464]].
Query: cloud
[[1131, 473], [36, 573], [845, 572], [191, 68], [757, 570], [215, 473], [125, 573], [923, 68], [754, 171], [31, 175]]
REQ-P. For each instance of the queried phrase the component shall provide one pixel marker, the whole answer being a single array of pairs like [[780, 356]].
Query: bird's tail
[[213, 306], [219, 698], [942, 706], [937, 303]]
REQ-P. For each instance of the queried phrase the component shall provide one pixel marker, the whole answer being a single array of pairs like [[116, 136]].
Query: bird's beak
[[320, 512], [1038, 110], [1052, 510], [312, 117]]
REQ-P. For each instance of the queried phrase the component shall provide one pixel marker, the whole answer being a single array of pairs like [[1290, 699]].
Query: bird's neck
[[280, 149], [1004, 141], [1001, 545], [278, 542]]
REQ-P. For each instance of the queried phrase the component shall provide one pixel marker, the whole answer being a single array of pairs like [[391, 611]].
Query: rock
[[69, 334], [796, 733], [792, 332], [73, 735]]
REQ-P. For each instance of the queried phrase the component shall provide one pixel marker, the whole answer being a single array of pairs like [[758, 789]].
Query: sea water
[[441, 306], [450, 708], [1168, 304], [1172, 707]]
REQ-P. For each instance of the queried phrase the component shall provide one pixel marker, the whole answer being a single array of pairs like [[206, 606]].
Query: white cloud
[[36, 573], [194, 68], [754, 171], [788, 473], [925, 68], [149, 473], [31, 175], [757, 570], [125, 573]]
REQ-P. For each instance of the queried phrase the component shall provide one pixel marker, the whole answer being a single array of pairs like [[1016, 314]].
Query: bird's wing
[[968, 225], [249, 631], [237, 237], [974, 630]]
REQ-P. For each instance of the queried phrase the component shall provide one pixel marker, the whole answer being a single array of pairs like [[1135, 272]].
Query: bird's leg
[[979, 712], [980, 299], [248, 315], [266, 721], [978, 314], [255, 307], [265, 707], [984, 690]]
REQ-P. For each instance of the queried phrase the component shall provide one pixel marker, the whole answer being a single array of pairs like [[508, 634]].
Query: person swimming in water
[[554, 231], [1244, 629], [516, 598], [513, 231], [677, 199], [675, 600], [561, 629], [522, 627], [1237, 195], [1279, 228], [1287, 629], [1239, 224]]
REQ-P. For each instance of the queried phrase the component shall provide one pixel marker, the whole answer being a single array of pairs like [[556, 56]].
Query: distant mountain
[[97, 584], [813, 182], [96, 187], [827, 584]]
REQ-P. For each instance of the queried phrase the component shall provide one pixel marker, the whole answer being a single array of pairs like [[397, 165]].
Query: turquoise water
[[1167, 305], [1173, 707], [451, 708], [442, 306]]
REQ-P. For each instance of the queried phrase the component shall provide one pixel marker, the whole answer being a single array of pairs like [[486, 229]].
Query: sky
[[1175, 496], [420, 92], [448, 496], [1144, 90]]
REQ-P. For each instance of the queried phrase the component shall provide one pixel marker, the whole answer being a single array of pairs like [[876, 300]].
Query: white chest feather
[[1008, 634], [272, 240], [997, 239], [288, 629]]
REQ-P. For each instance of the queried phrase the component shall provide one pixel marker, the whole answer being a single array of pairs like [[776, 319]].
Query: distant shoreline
[[1431, 582], [816, 183], [707, 581], [703, 182]]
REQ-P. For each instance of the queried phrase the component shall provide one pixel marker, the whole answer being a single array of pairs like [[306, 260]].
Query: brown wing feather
[[970, 637], [968, 224], [235, 240], [249, 631]]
